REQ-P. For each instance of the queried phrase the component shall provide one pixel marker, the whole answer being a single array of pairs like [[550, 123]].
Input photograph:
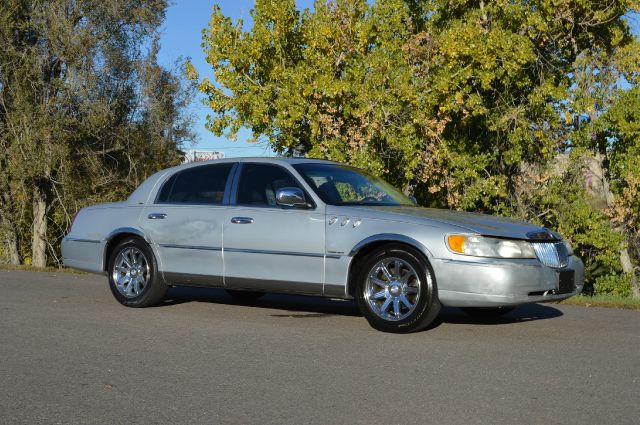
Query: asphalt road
[[70, 354]]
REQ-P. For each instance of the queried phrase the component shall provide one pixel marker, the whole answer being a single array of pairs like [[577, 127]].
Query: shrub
[[613, 285]]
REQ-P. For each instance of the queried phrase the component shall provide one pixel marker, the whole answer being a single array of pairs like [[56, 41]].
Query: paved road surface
[[70, 354]]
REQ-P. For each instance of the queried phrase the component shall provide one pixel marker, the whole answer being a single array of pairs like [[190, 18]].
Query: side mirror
[[291, 197]]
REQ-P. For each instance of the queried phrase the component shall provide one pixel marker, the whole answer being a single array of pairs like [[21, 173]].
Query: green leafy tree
[[85, 113], [603, 104], [454, 101]]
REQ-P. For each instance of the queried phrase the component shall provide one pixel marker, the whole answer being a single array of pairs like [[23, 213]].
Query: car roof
[[261, 159], [141, 194]]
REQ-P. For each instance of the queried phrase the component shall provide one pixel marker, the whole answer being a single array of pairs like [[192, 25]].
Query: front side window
[[259, 183], [341, 185], [199, 185]]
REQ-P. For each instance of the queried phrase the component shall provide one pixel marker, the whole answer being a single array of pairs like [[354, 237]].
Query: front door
[[268, 247], [185, 224]]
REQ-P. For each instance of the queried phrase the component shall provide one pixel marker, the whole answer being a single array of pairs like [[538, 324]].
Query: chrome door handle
[[156, 216], [242, 220]]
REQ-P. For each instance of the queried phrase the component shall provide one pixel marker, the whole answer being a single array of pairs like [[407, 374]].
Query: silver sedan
[[257, 225]]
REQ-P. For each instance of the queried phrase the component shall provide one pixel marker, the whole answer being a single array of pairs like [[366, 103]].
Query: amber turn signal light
[[456, 243]]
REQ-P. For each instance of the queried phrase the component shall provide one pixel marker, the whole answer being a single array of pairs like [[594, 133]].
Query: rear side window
[[198, 185]]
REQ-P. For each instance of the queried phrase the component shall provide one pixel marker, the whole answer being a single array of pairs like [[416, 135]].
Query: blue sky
[[182, 36]]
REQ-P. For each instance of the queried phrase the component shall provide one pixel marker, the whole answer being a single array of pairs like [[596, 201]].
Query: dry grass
[[609, 301], [5, 266]]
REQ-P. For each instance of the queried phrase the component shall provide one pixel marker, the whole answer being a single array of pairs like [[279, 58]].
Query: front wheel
[[396, 290], [133, 274]]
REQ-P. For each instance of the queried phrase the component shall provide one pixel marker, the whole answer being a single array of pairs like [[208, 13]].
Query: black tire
[[425, 309], [487, 313], [244, 295], [154, 288]]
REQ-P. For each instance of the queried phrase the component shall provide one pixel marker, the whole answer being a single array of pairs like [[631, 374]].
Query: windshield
[[342, 185]]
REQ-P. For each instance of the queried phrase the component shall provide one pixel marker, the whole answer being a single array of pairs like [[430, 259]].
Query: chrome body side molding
[[252, 251], [81, 240], [270, 252], [203, 248]]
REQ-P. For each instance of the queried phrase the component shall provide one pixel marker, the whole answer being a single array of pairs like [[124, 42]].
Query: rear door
[[269, 247], [185, 222]]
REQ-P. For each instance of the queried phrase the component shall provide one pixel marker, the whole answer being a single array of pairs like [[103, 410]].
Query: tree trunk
[[625, 258], [39, 237], [11, 244], [627, 267], [9, 229]]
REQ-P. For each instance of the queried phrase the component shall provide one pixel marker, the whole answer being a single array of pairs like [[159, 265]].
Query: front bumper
[[496, 282]]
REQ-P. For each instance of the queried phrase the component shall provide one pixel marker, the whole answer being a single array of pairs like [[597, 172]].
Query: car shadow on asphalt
[[297, 306], [300, 306], [523, 313]]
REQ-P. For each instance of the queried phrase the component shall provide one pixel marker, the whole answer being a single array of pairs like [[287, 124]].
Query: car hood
[[483, 224]]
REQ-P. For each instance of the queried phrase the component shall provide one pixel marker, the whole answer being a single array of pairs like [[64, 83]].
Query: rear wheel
[[244, 295], [133, 276], [396, 290], [487, 312]]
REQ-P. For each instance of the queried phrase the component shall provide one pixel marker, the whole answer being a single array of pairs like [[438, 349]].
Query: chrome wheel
[[392, 289], [131, 272]]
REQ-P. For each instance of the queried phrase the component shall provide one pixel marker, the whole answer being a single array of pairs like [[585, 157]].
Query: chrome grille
[[551, 254]]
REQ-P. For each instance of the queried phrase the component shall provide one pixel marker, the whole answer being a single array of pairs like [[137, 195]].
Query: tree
[[85, 113], [454, 101]]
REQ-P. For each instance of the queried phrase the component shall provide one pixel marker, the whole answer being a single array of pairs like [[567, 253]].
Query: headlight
[[482, 246]]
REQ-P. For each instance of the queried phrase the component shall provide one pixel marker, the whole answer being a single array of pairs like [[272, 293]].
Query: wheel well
[[111, 245], [361, 256]]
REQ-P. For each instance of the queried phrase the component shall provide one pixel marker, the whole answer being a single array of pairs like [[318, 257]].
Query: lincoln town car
[[257, 225]]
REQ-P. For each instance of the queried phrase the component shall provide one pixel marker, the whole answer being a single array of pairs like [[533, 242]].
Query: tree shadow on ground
[[299, 306]]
